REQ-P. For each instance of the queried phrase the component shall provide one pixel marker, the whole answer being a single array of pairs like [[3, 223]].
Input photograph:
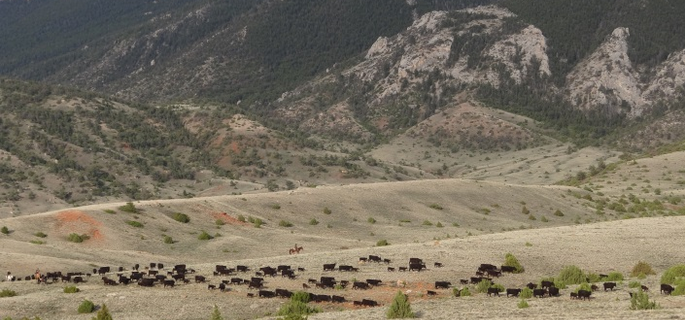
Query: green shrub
[[641, 268], [241, 218], [4, 230], [168, 239], [313, 222], [71, 289], [583, 286], [571, 275], [103, 314], [465, 292], [483, 286], [593, 277], [284, 223], [216, 314], [134, 223], [427, 223], [110, 211], [679, 285], [435, 206], [672, 273], [257, 223], [559, 284], [129, 207], [219, 222], [382, 243], [275, 206], [400, 307], [371, 220], [40, 234], [296, 307], [558, 213], [526, 293], [7, 293], [181, 217], [523, 304], [525, 210], [86, 306], [327, 211], [640, 301], [37, 242], [73, 237], [439, 225], [614, 276], [204, 236], [511, 261], [634, 284]]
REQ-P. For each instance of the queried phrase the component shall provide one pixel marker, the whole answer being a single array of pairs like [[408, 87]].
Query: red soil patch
[[225, 217], [73, 221]]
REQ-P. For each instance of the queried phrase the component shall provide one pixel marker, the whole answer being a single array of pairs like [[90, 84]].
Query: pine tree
[[400, 307], [103, 314], [216, 315]]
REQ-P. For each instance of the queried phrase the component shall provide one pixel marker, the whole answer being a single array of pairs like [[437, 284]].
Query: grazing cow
[[269, 271], [374, 282], [369, 303], [363, 259], [199, 279], [584, 294], [493, 273], [329, 267], [666, 288], [442, 284], [594, 287], [179, 268], [300, 269], [242, 268], [136, 267], [250, 295], [337, 299], [124, 280], [609, 286], [103, 270], [255, 285], [513, 292], [391, 269], [373, 258], [431, 293], [531, 285], [402, 269], [508, 269], [222, 287], [146, 282], [266, 294], [168, 283], [282, 267], [546, 284], [177, 277], [464, 281], [312, 281], [211, 287], [76, 279], [360, 285], [574, 295], [539, 293], [236, 281], [322, 298], [283, 293], [485, 266], [344, 283], [288, 273], [644, 288], [494, 291], [387, 261], [415, 260], [437, 265], [343, 267], [416, 266], [553, 291]]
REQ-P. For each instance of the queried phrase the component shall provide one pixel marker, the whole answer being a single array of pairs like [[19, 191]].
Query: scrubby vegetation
[[640, 301], [71, 289], [511, 261], [7, 293], [134, 223], [204, 236], [129, 207], [296, 307], [181, 217], [74, 237], [86, 306], [400, 307], [673, 273], [571, 275], [642, 268]]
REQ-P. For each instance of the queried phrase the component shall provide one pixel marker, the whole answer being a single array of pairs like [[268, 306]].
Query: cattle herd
[[225, 279]]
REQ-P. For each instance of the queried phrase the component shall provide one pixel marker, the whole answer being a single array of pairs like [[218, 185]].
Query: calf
[[402, 269], [513, 292], [431, 293], [437, 265], [442, 284], [609, 286], [594, 287], [643, 287], [574, 295], [464, 281], [494, 291], [666, 288], [531, 285], [199, 279]]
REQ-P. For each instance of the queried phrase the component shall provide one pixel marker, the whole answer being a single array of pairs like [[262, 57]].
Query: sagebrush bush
[[296, 307], [614, 276], [219, 222], [327, 211], [103, 314], [4, 230], [523, 304], [134, 223], [382, 243], [284, 223], [571, 275], [483, 286], [400, 307], [511, 261], [640, 301], [641, 268], [313, 222], [86, 306], [168, 240], [40, 234], [73, 237], [634, 284], [672, 273], [71, 289], [129, 207], [7, 293], [181, 217], [526, 293], [216, 314], [204, 236], [679, 285]]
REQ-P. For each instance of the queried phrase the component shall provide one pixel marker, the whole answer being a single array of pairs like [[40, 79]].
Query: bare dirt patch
[[74, 221]]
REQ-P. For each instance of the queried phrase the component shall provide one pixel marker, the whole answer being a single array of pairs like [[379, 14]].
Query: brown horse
[[295, 250]]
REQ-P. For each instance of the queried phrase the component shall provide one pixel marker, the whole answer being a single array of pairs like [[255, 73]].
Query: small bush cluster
[[40, 234], [642, 268], [571, 275], [219, 222], [297, 307], [511, 261], [371, 220], [74, 237], [204, 236], [526, 293], [71, 289], [7, 293], [181, 217], [523, 304], [614, 276], [673, 273], [382, 243], [435, 206], [129, 207], [86, 306], [4, 230], [327, 211], [284, 223], [168, 239], [400, 307], [134, 223], [640, 301], [103, 314], [483, 286]]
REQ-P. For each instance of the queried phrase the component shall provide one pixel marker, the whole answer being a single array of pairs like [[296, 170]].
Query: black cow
[[283, 293], [222, 287], [666, 288], [553, 291], [513, 292], [391, 269], [539, 293], [360, 285], [337, 299], [415, 260], [437, 265], [387, 261], [242, 268], [236, 281], [363, 259], [329, 267], [343, 267], [103, 270], [584, 294], [373, 258], [574, 295], [77, 279], [442, 284], [146, 282], [199, 279], [486, 266], [369, 303], [374, 282], [546, 284], [464, 281], [283, 267], [494, 291], [269, 271], [643, 287], [402, 269], [508, 269], [609, 286], [416, 266], [594, 287], [266, 294], [169, 283], [255, 285], [493, 273], [531, 285], [322, 298]]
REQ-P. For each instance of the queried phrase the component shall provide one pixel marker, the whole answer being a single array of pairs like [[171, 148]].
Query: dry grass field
[[458, 222]]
